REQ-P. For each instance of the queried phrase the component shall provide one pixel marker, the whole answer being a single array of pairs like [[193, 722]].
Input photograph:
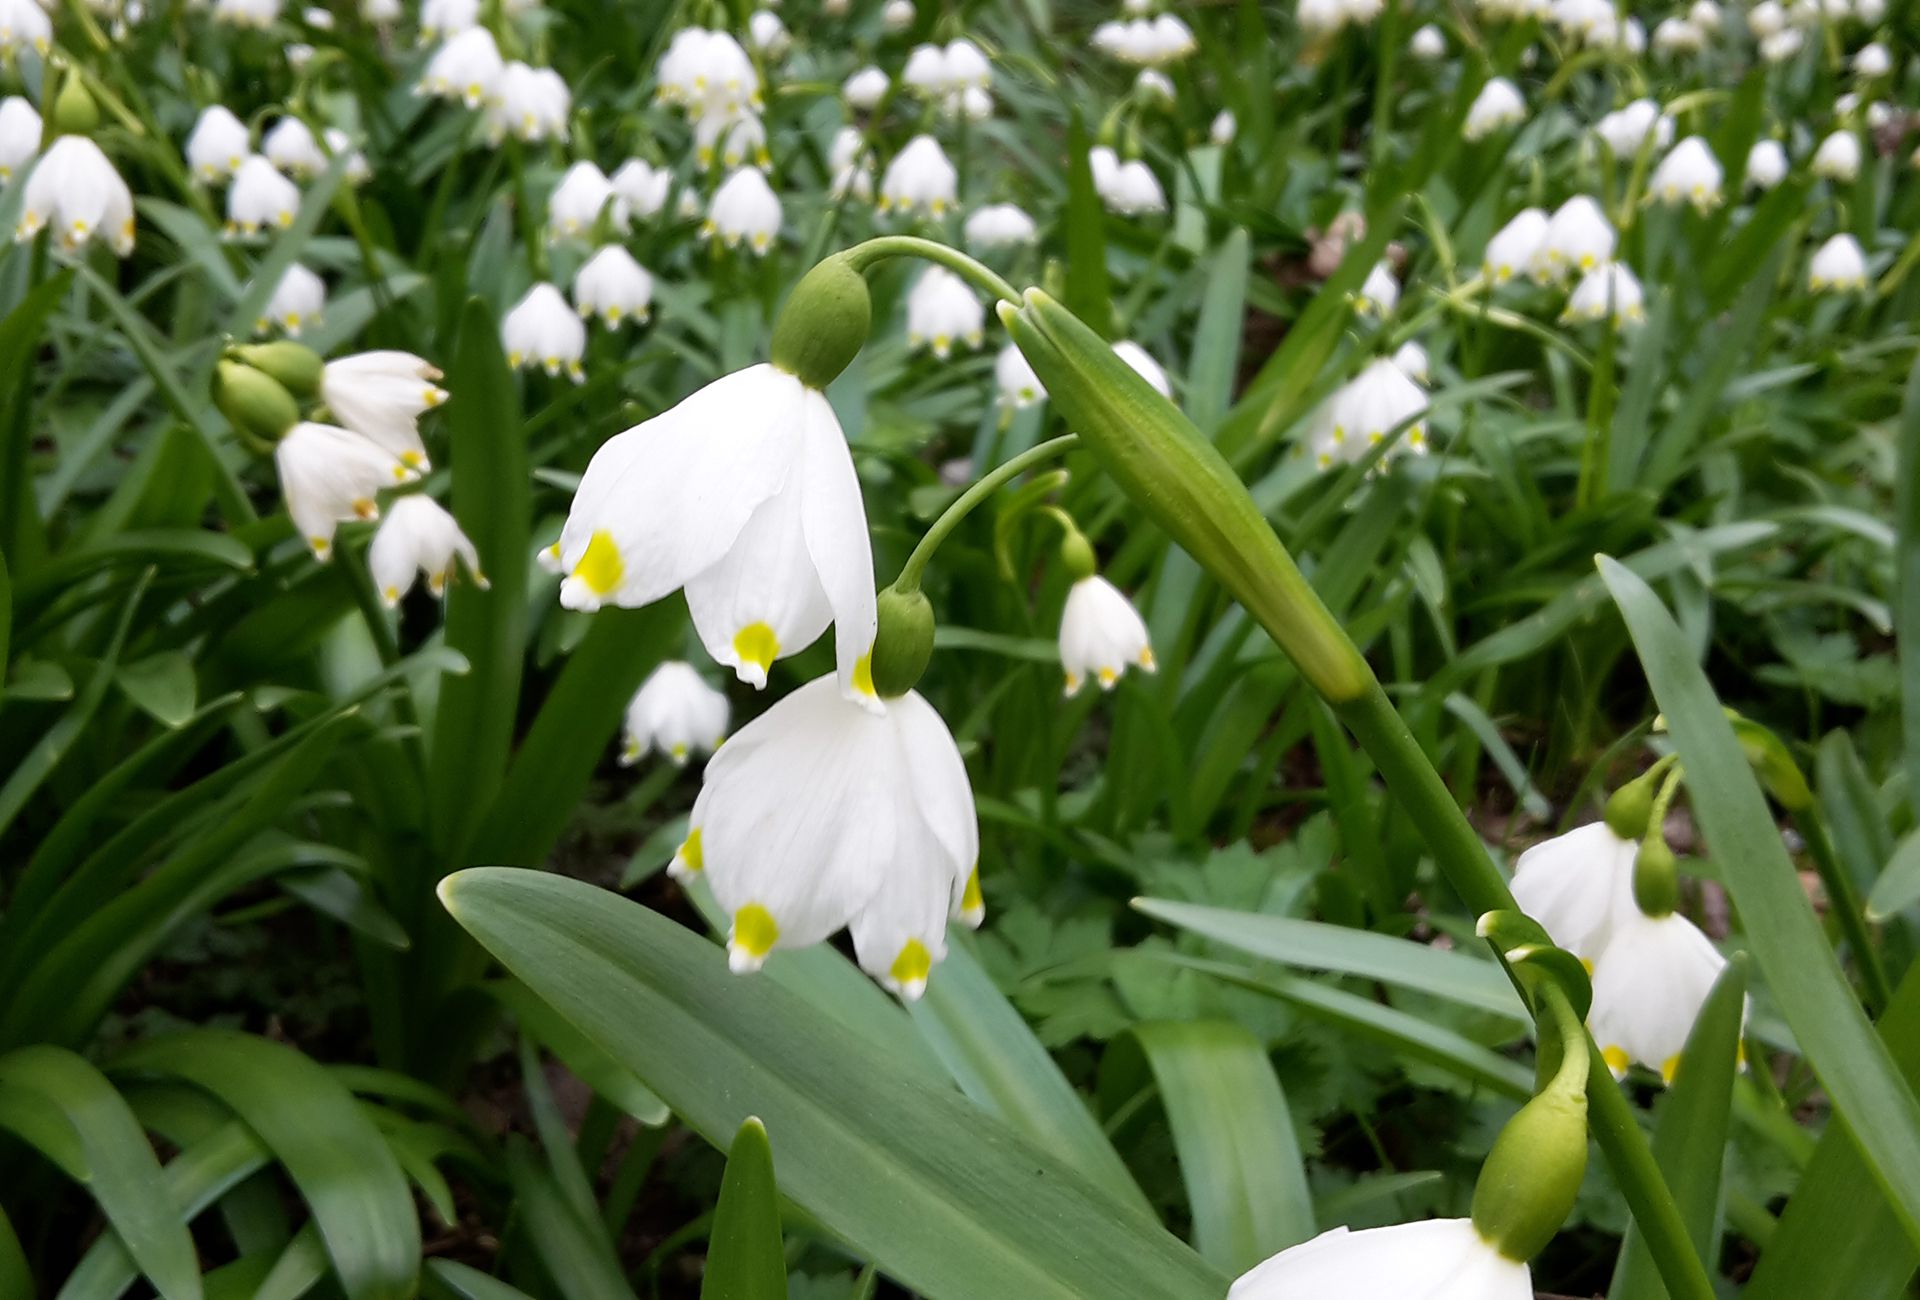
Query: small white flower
[[1101, 635], [381, 13], [1429, 43], [1626, 129], [418, 536], [467, 68], [1225, 126], [1019, 386], [767, 34], [1870, 12], [1839, 266], [1364, 410], [291, 148], [1705, 15], [641, 187], [24, 25], [75, 191], [744, 209], [999, 225], [20, 130], [329, 476], [919, 179], [1766, 164], [296, 303], [675, 713], [614, 287], [1610, 290], [1496, 107], [531, 104], [1689, 174], [1143, 364], [440, 19], [338, 142], [897, 15], [1379, 295], [851, 165], [1515, 247], [381, 396], [1153, 86], [730, 139], [577, 202], [218, 145], [865, 88], [967, 67], [1578, 237], [1783, 45], [1838, 157], [1648, 987], [1579, 887], [819, 815], [1320, 18], [256, 14], [1411, 360], [943, 310], [745, 495], [1128, 188], [543, 331], [1438, 1259], [1678, 36], [707, 72]]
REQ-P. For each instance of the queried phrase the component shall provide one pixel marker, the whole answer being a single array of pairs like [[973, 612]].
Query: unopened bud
[[74, 112], [256, 403], [824, 324], [1528, 1184], [1076, 553], [904, 642], [1656, 876], [1630, 808], [295, 366]]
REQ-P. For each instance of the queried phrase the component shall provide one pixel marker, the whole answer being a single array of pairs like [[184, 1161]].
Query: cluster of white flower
[[956, 77], [1147, 42], [1129, 188], [1322, 18]]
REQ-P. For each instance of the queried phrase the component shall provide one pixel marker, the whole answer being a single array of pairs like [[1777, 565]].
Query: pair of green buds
[[259, 387]]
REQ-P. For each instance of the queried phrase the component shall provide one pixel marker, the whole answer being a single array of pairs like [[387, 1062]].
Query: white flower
[[575, 206], [1515, 246], [919, 179], [467, 68], [328, 476], [75, 191], [675, 713], [1648, 987], [614, 287], [999, 225], [1606, 290], [1783, 45], [1319, 18], [1626, 129], [1173, 39], [1870, 12], [731, 139], [1225, 126], [381, 13], [339, 143], [707, 72], [296, 303], [1379, 295], [24, 25], [1579, 887], [291, 148], [531, 104], [745, 495], [1145, 366], [744, 208], [257, 14], [419, 536], [819, 814], [1689, 174], [865, 88], [1153, 86], [943, 310], [20, 130], [1766, 164], [1429, 43], [1767, 18], [1838, 267], [1438, 1259], [1578, 237], [381, 396], [1019, 386], [967, 67], [641, 187], [1838, 157], [1101, 634], [1705, 15], [440, 19], [1150, 41], [767, 34], [851, 165], [543, 331], [260, 198], [1410, 359], [1496, 107], [218, 145], [1364, 410], [1678, 36], [897, 15], [1127, 188]]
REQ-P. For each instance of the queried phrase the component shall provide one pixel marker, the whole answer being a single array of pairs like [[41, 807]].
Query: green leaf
[[595, 1068], [1898, 887], [1787, 942], [1087, 291], [1239, 1160], [162, 685], [16, 1277], [1906, 555], [1214, 363], [122, 1172], [575, 1252], [316, 1129], [22, 536], [470, 1283], [745, 1260], [939, 1194], [299, 1269]]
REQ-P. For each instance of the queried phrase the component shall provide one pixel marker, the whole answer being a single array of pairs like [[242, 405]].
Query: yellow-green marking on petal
[[756, 644], [910, 968], [600, 567], [754, 931]]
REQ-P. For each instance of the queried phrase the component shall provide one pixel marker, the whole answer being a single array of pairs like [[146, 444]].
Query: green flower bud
[[1076, 553], [1162, 462], [1656, 876], [1528, 1184], [824, 324], [904, 642], [1630, 808], [254, 402], [74, 112], [296, 366]]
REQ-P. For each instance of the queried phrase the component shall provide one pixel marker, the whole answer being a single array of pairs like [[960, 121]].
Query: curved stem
[[865, 254], [989, 483]]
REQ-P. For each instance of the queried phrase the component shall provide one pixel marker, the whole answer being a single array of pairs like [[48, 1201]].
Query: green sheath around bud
[[1076, 553], [904, 642], [255, 403], [295, 366], [1656, 876], [74, 112], [824, 324], [1631, 806], [1528, 1184]]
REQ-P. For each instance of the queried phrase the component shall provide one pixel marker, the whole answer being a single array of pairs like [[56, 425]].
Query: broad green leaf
[[1215, 359], [299, 1269], [336, 1157], [162, 685], [1906, 478], [594, 1067], [1898, 887], [343, 896], [470, 1283], [1787, 942], [939, 1194], [745, 1259], [1088, 293]]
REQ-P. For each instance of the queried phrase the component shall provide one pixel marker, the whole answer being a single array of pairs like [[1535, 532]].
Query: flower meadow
[[980, 649]]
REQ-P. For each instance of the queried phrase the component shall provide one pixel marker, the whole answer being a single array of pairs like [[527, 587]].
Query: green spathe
[[904, 642], [74, 112], [1076, 553], [824, 324], [1166, 466], [295, 366], [1528, 1184], [253, 401], [1656, 876]]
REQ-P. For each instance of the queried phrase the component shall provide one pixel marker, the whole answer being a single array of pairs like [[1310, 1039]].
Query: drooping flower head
[[1439, 1259], [419, 537], [1101, 635], [543, 331], [75, 191], [676, 713], [381, 396]]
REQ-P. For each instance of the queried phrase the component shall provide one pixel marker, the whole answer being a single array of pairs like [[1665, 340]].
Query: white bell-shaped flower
[[20, 130], [468, 68], [707, 72], [1767, 18], [1496, 107], [75, 192], [1410, 359], [1781, 46], [339, 143], [1705, 14], [24, 25], [1364, 410], [1872, 60], [1015, 379], [1578, 237], [1678, 36], [532, 104], [543, 331], [257, 15], [1689, 174], [260, 198], [1101, 635], [1579, 887], [1438, 1259], [1626, 129], [1128, 188], [1142, 364], [1379, 295], [381, 13], [1838, 266], [767, 34], [999, 225], [943, 310], [1766, 164], [1223, 128], [1154, 87], [381, 396], [577, 202], [293, 151], [851, 165], [614, 287], [919, 179], [1428, 43], [440, 19], [745, 495], [329, 476], [1649, 984], [1320, 19], [1515, 247], [642, 187], [296, 303], [865, 88], [675, 713], [419, 537], [1838, 157], [744, 210], [1173, 40], [819, 815], [731, 139], [897, 15], [218, 145]]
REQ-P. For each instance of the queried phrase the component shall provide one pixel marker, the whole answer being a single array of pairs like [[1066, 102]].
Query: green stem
[[989, 483], [865, 254]]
